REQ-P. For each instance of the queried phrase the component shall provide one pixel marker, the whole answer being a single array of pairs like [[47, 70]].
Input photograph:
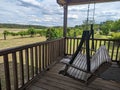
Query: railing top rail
[[94, 39], [18, 48]]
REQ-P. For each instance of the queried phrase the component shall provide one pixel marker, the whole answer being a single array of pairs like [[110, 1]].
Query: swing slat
[[78, 69]]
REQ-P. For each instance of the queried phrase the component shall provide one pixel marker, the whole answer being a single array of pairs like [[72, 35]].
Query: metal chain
[[88, 12]]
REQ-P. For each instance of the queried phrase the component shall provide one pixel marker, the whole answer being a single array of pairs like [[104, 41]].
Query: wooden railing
[[18, 66], [113, 46], [21, 64]]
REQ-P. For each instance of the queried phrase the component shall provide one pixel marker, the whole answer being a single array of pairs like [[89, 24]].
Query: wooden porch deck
[[51, 80]]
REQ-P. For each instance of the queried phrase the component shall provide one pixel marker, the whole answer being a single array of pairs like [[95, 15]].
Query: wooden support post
[[88, 51], [65, 25], [0, 85], [65, 20]]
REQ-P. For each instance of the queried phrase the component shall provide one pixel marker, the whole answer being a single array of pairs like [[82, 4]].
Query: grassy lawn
[[13, 41]]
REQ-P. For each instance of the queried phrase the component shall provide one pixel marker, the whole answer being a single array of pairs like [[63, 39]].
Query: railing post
[[65, 20], [7, 72], [87, 51], [15, 74], [64, 42], [0, 85]]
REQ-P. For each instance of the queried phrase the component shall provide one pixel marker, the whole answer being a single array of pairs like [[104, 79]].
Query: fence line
[[113, 46], [22, 64]]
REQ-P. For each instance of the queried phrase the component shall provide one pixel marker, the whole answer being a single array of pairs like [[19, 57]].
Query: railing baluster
[[27, 63], [15, 74], [77, 42], [73, 45], [70, 46], [29, 60], [40, 58], [7, 72], [100, 43], [118, 53], [32, 62], [36, 60], [21, 67], [108, 46], [104, 42], [67, 46], [95, 45], [43, 57], [53, 52], [46, 55], [0, 85], [112, 51]]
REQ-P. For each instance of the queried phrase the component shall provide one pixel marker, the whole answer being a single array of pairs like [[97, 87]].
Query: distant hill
[[2, 25]]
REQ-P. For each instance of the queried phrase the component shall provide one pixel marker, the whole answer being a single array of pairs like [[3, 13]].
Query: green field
[[13, 41]]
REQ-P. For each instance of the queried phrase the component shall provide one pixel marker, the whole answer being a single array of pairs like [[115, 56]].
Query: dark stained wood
[[43, 57], [51, 80], [118, 53], [112, 50], [77, 2], [27, 64], [0, 85], [108, 46], [28, 57], [109, 43], [32, 62], [40, 58], [74, 45], [7, 72], [66, 45], [21, 67], [15, 74], [65, 21], [46, 56], [100, 43], [36, 60]]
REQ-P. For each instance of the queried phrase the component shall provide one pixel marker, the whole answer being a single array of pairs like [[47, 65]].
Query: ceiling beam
[[77, 2]]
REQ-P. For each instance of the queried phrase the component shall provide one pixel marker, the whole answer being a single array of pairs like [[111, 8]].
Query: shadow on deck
[[51, 80]]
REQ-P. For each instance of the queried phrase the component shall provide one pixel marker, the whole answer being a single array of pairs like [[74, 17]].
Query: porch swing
[[84, 67]]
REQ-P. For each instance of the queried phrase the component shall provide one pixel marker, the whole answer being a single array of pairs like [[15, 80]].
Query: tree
[[31, 31], [106, 27], [53, 33], [116, 26], [22, 33], [5, 33]]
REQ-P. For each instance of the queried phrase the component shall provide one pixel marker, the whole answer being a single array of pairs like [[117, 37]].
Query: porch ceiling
[[77, 2]]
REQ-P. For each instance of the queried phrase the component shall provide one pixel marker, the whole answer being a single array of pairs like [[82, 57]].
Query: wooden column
[[65, 20]]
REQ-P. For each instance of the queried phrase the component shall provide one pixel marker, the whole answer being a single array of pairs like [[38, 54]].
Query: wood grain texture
[[51, 80]]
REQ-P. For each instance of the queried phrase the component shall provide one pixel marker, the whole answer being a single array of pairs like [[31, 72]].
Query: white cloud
[[72, 16], [48, 12]]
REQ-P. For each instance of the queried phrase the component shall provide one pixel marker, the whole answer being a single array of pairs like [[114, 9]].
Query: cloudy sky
[[49, 13]]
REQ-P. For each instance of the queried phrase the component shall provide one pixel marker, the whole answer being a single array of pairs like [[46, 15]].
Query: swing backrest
[[99, 63]]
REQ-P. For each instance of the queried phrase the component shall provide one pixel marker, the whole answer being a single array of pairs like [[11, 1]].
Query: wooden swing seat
[[100, 61]]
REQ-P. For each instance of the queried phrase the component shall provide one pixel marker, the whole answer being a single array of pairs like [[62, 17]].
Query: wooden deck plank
[[51, 80], [35, 88], [46, 85]]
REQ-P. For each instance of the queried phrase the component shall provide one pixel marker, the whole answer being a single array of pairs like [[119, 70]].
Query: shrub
[[5, 32], [115, 35], [31, 31], [23, 33]]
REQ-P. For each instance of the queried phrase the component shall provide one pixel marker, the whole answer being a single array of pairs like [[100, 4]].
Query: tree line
[[110, 27], [3, 25], [49, 33]]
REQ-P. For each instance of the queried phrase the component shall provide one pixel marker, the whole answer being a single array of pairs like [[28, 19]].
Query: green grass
[[13, 41]]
